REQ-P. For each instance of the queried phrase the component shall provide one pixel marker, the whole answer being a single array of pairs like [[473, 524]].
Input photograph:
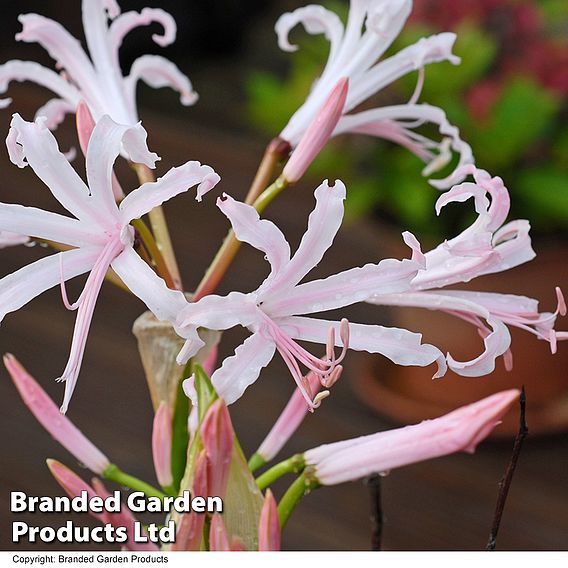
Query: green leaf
[[206, 394], [545, 193], [520, 117], [180, 435]]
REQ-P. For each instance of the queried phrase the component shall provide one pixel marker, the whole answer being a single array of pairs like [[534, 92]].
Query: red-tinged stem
[[161, 233]]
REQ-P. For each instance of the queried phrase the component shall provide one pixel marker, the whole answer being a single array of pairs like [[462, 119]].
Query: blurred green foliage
[[521, 137]]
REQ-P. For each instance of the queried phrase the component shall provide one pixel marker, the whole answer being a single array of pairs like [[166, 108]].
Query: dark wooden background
[[443, 504]]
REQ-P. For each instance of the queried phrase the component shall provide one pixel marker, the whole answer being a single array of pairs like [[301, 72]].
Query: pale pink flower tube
[[318, 132], [458, 431], [49, 416], [288, 422]]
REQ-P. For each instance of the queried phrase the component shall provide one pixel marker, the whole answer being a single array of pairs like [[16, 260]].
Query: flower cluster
[[105, 235]]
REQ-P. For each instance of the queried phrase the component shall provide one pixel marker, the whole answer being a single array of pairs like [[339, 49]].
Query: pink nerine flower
[[97, 79], [458, 431], [355, 51], [486, 247], [272, 312], [48, 415], [99, 232]]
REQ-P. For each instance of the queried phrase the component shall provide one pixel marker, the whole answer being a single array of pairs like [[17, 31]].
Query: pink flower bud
[[317, 133], [162, 445], [217, 436], [190, 525], [269, 525], [49, 416], [218, 536], [72, 484], [85, 126], [124, 518], [458, 431]]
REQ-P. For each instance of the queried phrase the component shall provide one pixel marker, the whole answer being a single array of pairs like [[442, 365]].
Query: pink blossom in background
[[356, 49], [96, 77]]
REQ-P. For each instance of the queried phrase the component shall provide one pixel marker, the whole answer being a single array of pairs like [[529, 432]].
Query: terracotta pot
[[407, 394]]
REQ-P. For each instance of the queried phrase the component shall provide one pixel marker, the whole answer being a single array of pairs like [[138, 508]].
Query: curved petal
[[390, 123], [497, 340], [95, 27], [22, 286], [259, 233], [386, 18], [131, 20], [175, 181], [55, 111], [513, 243], [164, 303], [32, 143], [45, 225], [63, 48], [428, 50], [346, 288], [399, 345], [323, 224], [159, 72], [243, 368], [20, 71], [316, 20], [103, 149], [220, 312]]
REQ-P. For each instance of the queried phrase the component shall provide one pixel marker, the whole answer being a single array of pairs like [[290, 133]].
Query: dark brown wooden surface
[[443, 504]]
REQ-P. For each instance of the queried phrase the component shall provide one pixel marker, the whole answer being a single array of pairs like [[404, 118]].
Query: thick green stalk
[[114, 473], [295, 464], [303, 484]]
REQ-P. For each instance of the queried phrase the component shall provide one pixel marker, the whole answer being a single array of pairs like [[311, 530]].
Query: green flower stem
[[303, 484], [256, 462], [295, 464], [114, 473], [231, 245]]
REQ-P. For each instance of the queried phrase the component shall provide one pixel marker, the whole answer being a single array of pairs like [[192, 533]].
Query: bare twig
[[374, 484], [505, 483]]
